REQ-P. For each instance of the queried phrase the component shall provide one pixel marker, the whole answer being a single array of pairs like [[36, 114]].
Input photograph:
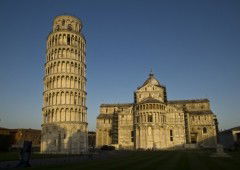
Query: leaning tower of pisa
[[64, 112]]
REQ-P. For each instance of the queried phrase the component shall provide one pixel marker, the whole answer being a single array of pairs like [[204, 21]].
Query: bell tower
[[64, 111]]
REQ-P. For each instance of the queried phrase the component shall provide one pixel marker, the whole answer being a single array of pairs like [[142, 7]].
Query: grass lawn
[[169, 160], [10, 156]]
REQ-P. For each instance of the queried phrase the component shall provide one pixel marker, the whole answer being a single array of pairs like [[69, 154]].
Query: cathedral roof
[[150, 100], [117, 105], [188, 101], [151, 80], [200, 112], [105, 116]]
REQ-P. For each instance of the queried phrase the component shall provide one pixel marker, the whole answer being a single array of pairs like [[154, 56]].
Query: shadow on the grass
[[171, 160]]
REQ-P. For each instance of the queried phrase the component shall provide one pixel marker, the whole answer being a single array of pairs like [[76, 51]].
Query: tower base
[[64, 138]]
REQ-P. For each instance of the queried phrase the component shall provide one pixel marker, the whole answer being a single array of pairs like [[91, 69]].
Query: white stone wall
[[155, 133], [125, 129], [70, 138], [204, 128], [103, 132]]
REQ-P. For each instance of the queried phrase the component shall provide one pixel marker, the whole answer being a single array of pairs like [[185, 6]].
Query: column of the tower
[[64, 128]]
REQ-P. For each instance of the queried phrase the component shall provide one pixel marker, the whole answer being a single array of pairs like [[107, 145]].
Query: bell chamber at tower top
[[68, 23]]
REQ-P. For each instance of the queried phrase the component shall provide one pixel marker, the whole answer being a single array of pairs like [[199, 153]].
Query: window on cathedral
[[63, 22], [150, 118], [132, 136], [171, 135], [55, 142], [193, 138], [204, 130]]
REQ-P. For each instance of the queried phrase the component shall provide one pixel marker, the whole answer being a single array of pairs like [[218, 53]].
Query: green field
[[11, 156], [169, 160]]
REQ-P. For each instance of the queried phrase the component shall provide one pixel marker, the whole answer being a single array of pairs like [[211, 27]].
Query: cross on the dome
[[151, 72]]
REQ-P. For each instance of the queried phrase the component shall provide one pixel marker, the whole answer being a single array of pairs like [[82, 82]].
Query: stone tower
[[64, 112]]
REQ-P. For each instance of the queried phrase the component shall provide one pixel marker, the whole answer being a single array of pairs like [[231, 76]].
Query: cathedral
[[154, 122]]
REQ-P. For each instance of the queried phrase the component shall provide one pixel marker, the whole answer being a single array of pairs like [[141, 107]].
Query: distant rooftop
[[21, 129], [229, 130]]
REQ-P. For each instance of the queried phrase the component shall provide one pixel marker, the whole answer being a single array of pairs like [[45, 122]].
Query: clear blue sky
[[192, 46]]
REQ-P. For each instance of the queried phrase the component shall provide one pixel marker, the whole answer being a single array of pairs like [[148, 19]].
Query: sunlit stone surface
[[153, 122], [64, 112]]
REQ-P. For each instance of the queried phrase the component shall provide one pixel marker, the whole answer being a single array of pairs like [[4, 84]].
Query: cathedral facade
[[64, 111], [154, 122]]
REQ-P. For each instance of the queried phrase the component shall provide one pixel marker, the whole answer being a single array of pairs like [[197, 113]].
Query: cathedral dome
[[151, 80]]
